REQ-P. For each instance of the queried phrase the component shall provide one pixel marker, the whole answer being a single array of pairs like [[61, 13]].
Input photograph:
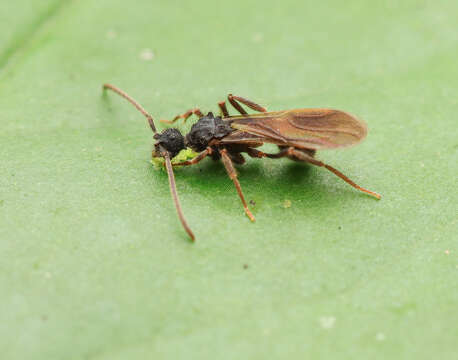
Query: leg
[[184, 116], [254, 153], [195, 160], [301, 156], [234, 100], [233, 175], [223, 108], [237, 158]]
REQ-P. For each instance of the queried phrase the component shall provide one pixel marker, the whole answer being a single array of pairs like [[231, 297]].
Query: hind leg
[[299, 155], [306, 155], [235, 102]]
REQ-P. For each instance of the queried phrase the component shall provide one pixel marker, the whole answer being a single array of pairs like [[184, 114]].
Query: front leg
[[185, 116], [198, 158], [233, 175]]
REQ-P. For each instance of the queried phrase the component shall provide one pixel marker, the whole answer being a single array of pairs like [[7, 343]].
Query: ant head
[[171, 140]]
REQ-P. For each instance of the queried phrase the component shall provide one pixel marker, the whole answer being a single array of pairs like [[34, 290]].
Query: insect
[[297, 133]]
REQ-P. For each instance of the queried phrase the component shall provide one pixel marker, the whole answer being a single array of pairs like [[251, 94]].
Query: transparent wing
[[303, 128]]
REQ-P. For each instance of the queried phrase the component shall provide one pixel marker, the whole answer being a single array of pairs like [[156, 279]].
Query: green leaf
[[94, 262], [182, 156]]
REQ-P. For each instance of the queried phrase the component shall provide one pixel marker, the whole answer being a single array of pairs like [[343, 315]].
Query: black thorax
[[206, 129]]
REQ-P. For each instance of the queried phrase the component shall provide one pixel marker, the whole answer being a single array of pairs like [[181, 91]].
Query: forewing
[[304, 128]]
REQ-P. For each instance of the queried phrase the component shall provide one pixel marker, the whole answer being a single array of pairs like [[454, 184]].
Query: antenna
[[164, 153], [133, 102]]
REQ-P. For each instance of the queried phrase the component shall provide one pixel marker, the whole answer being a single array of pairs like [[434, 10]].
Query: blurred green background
[[94, 263]]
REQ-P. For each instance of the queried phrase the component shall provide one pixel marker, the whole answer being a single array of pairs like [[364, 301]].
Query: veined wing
[[303, 128]]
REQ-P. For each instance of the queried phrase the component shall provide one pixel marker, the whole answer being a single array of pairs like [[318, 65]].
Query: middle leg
[[233, 175]]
